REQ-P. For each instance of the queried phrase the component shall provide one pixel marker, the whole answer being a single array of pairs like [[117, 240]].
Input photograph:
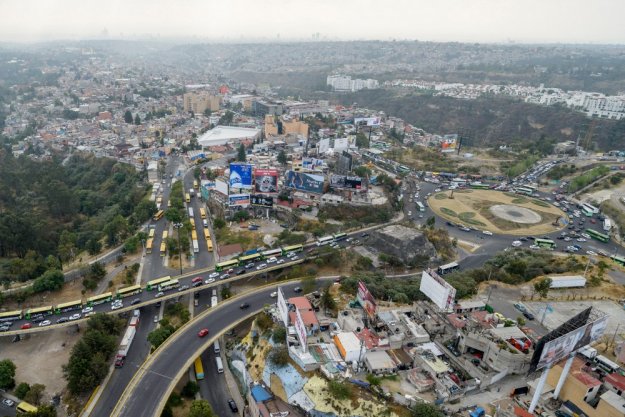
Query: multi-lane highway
[[149, 389]]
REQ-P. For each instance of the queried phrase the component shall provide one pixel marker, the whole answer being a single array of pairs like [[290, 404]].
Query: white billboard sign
[[324, 145], [283, 308], [300, 329], [221, 186], [438, 290]]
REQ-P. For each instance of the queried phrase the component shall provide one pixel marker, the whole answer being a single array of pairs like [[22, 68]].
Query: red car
[[26, 326], [197, 279], [202, 333]]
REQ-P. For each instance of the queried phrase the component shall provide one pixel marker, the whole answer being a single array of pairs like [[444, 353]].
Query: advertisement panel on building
[[221, 186], [324, 145], [439, 291], [300, 329], [266, 181], [366, 300], [345, 181], [283, 308], [312, 164], [305, 182], [449, 143], [561, 347], [240, 176], [341, 144], [262, 201], [239, 200], [367, 121]]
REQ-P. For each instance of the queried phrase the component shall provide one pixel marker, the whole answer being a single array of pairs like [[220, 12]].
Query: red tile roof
[[617, 380]]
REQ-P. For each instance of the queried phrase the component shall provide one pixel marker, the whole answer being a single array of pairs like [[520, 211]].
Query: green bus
[[545, 243], [250, 258], [128, 291], [597, 235], [226, 265], [65, 307], [292, 248], [480, 186], [99, 299], [39, 311], [152, 285], [618, 259]]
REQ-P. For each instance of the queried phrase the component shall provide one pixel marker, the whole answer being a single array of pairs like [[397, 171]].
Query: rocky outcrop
[[402, 242]]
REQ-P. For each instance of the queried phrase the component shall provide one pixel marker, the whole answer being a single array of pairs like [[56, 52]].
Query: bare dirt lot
[[473, 208], [39, 357]]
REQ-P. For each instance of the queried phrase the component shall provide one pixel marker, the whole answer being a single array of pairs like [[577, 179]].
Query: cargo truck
[[124, 347]]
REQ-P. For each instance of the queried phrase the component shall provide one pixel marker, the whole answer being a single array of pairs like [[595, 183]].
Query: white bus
[[169, 285], [324, 240], [448, 268], [190, 212], [606, 364], [420, 206], [607, 224], [196, 246], [590, 208]]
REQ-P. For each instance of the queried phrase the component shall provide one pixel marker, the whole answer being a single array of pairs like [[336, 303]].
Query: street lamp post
[[177, 226]]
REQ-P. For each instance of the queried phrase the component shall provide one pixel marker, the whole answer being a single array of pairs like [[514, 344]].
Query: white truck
[[124, 347]]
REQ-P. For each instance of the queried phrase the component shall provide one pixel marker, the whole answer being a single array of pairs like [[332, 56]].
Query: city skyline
[[488, 21]]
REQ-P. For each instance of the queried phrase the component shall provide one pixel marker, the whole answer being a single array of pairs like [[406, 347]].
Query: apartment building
[[200, 101]]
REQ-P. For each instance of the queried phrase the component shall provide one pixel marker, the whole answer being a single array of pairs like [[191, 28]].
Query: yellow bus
[[193, 235], [152, 285], [151, 233], [128, 291], [199, 369], [11, 315], [159, 201], [24, 407], [163, 248], [202, 212], [99, 299], [39, 311], [195, 184], [209, 245], [65, 307], [165, 234], [192, 221], [187, 197], [207, 234], [148, 245], [159, 214]]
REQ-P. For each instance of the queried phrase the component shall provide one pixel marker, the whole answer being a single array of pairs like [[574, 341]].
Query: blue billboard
[[240, 176], [305, 182]]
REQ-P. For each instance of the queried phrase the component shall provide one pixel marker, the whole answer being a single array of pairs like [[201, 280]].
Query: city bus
[[128, 291], [606, 364], [586, 212], [271, 252], [165, 234], [340, 236], [480, 186], [195, 184], [148, 246], [39, 311], [65, 307], [199, 369], [590, 208], [11, 315], [152, 285], [169, 285], [196, 246], [597, 235], [324, 240], [607, 225], [448, 268], [226, 265], [151, 233], [249, 258], [207, 234], [191, 215], [525, 189], [187, 197], [618, 259], [545, 243], [159, 201], [163, 249], [158, 215], [192, 222], [403, 169], [420, 206], [193, 235], [292, 248], [209, 245], [24, 407], [99, 299], [202, 212]]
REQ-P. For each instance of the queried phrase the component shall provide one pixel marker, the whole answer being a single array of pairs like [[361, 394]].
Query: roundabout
[[499, 212]]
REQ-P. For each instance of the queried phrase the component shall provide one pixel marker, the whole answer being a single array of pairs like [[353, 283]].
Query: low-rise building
[[380, 363]]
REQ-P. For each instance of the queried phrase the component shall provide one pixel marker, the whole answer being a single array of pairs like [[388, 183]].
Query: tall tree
[[128, 117], [201, 408], [137, 119], [7, 374], [282, 157], [241, 155]]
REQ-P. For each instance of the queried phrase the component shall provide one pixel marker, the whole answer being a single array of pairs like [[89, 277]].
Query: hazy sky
[[570, 21]]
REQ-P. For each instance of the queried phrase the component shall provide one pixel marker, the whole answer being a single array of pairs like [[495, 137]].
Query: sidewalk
[[232, 383]]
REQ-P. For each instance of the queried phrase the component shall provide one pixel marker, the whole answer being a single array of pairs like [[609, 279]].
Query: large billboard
[[221, 186], [560, 347], [366, 300], [266, 181], [239, 200], [283, 308], [262, 201], [449, 143], [300, 329], [439, 291], [305, 182], [367, 121], [240, 176], [312, 164], [345, 181], [324, 145]]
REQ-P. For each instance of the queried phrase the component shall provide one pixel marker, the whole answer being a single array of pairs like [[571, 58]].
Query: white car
[[280, 261], [159, 294], [261, 266], [410, 213], [210, 280], [517, 243], [214, 275], [273, 294], [87, 310], [581, 239], [45, 323], [117, 306], [534, 247], [488, 232], [7, 402], [74, 316], [591, 253], [586, 235], [271, 260]]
